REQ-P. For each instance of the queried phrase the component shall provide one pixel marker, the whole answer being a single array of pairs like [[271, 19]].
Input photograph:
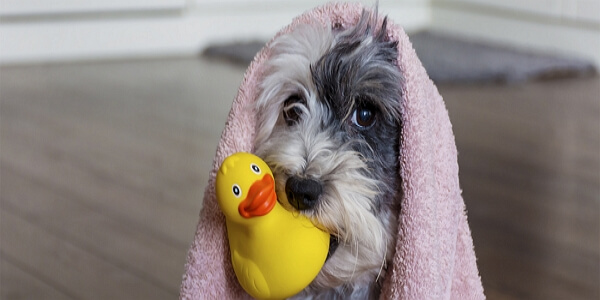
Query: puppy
[[328, 126]]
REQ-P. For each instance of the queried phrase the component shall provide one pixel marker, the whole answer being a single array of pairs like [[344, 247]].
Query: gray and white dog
[[329, 128]]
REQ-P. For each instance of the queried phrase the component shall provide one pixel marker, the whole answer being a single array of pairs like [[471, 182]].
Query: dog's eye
[[364, 116], [292, 109]]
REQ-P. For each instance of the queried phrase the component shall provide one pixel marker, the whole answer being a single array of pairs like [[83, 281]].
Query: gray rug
[[449, 59]]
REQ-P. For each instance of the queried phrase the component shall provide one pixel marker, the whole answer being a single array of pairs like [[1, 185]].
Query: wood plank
[[552, 269], [18, 284], [574, 226], [132, 248], [82, 274], [116, 168], [145, 161], [143, 120], [530, 160], [102, 192], [100, 188]]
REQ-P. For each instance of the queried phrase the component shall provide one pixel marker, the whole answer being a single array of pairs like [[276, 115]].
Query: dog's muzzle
[[302, 193]]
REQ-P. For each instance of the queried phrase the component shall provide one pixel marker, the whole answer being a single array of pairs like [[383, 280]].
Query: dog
[[328, 125]]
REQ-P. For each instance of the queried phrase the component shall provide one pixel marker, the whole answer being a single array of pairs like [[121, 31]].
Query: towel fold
[[434, 256]]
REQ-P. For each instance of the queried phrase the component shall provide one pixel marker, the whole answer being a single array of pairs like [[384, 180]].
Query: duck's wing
[[250, 276]]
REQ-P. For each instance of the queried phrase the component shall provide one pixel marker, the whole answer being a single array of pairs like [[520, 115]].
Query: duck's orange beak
[[261, 198]]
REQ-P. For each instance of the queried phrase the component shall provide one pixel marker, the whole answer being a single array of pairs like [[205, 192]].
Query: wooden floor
[[103, 167]]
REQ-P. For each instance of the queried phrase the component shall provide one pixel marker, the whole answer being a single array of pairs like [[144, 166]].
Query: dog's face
[[328, 126]]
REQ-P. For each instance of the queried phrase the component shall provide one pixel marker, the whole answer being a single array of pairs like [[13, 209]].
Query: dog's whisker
[[355, 259], [382, 266]]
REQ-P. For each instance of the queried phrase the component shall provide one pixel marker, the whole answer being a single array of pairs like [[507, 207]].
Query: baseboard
[[541, 33], [172, 33]]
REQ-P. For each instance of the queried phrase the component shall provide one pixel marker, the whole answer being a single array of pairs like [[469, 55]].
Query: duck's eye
[[292, 109], [255, 169], [236, 190], [364, 116]]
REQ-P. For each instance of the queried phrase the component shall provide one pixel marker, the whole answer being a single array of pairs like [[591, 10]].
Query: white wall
[[61, 30], [65, 7], [554, 26], [575, 10]]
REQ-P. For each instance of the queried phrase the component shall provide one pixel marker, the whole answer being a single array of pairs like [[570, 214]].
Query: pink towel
[[434, 256]]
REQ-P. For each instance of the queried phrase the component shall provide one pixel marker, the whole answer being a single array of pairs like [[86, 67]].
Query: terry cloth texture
[[434, 256]]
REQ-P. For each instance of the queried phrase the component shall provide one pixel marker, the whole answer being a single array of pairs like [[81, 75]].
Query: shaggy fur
[[328, 127]]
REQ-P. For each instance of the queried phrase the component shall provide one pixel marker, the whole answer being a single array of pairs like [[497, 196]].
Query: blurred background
[[110, 113]]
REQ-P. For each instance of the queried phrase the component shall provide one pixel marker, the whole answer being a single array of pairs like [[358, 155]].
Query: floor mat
[[450, 59]]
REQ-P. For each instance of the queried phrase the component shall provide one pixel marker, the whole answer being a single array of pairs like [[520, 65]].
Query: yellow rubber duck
[[275, 253]]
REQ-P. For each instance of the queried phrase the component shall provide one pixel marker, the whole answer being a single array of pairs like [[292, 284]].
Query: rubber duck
[[275, 253]]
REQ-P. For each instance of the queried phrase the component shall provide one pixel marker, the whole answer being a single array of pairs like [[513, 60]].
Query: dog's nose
[[302, 193]]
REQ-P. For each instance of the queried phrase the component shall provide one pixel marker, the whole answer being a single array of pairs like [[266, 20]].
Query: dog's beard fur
[[328, 114]]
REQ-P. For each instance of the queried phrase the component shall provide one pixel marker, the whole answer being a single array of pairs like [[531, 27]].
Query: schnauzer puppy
[[328, 126]]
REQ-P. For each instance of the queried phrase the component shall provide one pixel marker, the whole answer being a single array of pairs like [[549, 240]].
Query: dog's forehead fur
[[359, 69]]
